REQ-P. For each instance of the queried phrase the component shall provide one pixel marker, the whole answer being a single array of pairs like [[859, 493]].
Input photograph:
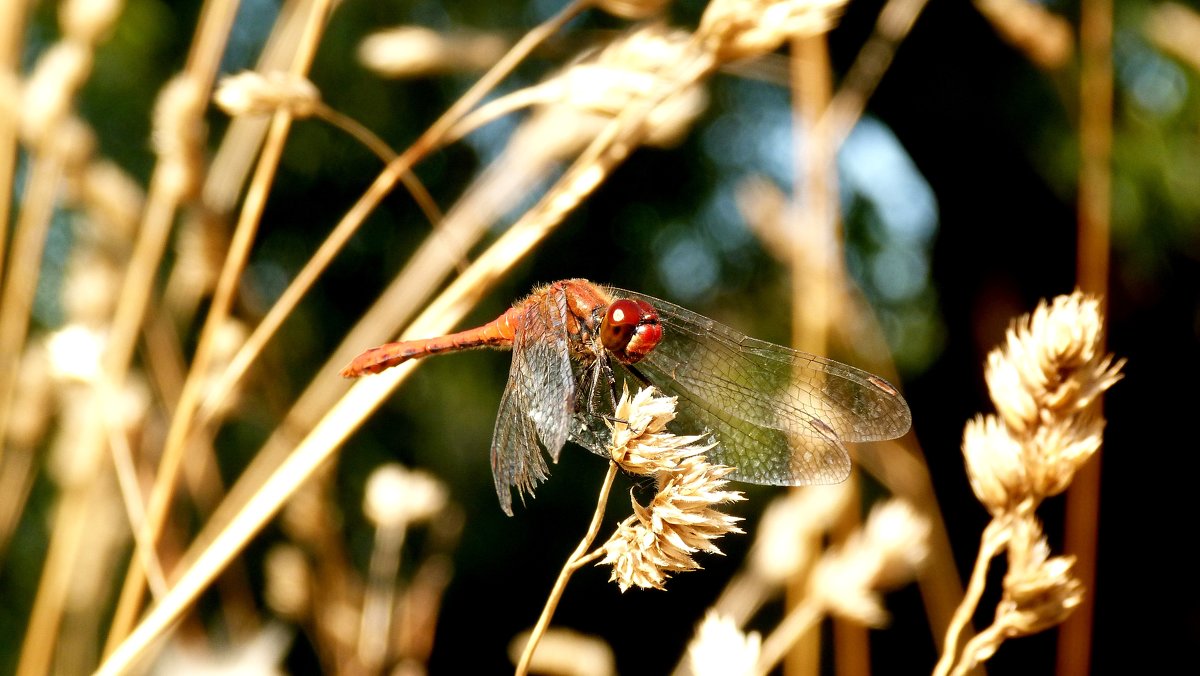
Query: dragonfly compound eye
[[630, 329]]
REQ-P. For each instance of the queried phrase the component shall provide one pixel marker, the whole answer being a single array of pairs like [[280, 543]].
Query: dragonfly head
[[630, 329]]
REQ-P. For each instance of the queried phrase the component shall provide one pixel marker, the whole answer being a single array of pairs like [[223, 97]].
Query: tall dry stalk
[[1094, 222]]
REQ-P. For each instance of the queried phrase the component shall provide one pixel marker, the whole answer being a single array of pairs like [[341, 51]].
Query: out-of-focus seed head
[[178, 135], [254, 93], [88, 21], [643, 65], [720, 648], [415, 51], [50, 89], [32, 403], [566, 652], [742, 29], [112, 199], [790, 524], [886, 552], [1044, 37], [633, 10], [396, 496], [91, 287], [1173, 28], [287, 581], [75, 352]]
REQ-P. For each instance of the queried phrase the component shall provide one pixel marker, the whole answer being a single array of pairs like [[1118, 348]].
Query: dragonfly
[[779, 416]]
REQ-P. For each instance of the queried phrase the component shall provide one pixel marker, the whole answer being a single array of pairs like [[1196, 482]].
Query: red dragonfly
[[780, 416]]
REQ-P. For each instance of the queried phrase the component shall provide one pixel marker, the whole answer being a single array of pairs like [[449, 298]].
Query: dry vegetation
[[117, 409]]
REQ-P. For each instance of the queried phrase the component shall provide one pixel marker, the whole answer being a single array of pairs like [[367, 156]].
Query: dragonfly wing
[[781, 416], [594, 407], [535, 409]]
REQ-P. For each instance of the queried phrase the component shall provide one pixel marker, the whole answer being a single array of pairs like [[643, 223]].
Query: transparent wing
[[537, 402], [594, 406], [781, 416]]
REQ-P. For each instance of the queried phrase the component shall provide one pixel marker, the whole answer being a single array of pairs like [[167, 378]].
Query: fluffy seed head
[[397, 496], [720, 648], [253, 93], [742, 29], [660, 538], [886, 552]]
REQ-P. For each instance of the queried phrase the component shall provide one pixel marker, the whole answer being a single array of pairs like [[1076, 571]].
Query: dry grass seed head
[[721, 649], [782, 546], [1043, 383], [642, 65], [253, 93], [396, 496], [178, 135], [46, 100], [660, 538], [88, 21], [287, 578], [1052, 363], [633, 10], [566, 653], [641, 443], [1040, 591], [995, 464], [884, 553], [742, 29], [414, 51]]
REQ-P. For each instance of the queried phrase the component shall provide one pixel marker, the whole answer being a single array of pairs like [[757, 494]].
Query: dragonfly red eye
[[630, 329]]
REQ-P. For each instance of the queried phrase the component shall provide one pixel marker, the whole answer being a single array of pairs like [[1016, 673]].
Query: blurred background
[[958, 191]]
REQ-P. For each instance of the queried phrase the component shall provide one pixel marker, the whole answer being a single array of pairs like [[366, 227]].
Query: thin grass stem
[[577, 559], [800, 620], [384, 152], [16, 301], [379, 601], [981, 647], [894, 23], [29, 240], [135, 509], [994, 539], [12, 30]]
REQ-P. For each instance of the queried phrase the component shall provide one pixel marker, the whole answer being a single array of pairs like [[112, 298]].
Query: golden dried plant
[[1046, 382]]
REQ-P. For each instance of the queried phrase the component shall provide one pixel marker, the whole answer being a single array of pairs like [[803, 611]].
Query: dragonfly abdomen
[[497, 333]]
